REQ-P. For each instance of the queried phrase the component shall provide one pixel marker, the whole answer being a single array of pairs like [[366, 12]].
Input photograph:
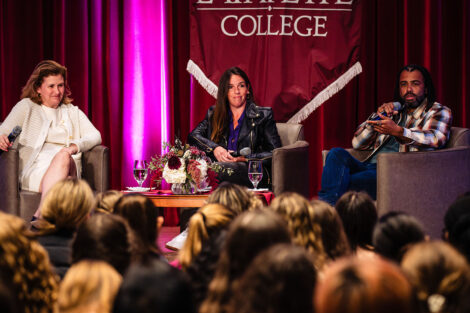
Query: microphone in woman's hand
[[14, 133]]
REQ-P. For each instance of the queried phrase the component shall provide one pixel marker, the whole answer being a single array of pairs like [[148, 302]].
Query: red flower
[[156, 179], [213, 181], [174, 162], [194, 171]]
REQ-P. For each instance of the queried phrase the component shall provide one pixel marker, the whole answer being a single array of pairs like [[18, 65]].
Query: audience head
[[249, 234], [143, 217], [104, 237], [67, 204], [394, 233], [440, 276], [302, 222], [208, 221], [280, 279], [154, 287], [25, 267], [44, 69], [372, 285], [428, 84], [106, 200], [335, 242], [457, 224], [235, 197], [89, 286], [359, 216]]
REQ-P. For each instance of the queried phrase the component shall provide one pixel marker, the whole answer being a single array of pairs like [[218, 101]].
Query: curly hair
[[44, 69], [249, 233], [235, 197], [301, 221], [89, 285], [25, 264], [206, 222], [436, 269]]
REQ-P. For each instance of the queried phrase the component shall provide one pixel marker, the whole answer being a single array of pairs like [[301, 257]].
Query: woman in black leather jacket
[[236, 129]]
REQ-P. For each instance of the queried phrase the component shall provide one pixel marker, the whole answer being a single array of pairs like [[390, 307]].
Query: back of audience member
[[89, 286], [154, 287], [359, 216], [334, 238], [143, 217], [208, 221], [394, 234], [235, 197], [440, 276], [302, 223], [280, 279], [106, 200], [25, 268], [358, 285], [248, 235], [104, 237], [457, 225], [67, 204]]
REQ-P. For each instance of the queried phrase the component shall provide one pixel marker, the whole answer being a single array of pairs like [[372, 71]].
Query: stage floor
[[166, 234]]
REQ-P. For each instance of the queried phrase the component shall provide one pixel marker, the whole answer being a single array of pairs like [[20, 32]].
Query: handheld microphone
[[14, 133], [396, 107], [243, 152]]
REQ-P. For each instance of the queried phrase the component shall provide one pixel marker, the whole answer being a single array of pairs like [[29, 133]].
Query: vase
[[187, 188]]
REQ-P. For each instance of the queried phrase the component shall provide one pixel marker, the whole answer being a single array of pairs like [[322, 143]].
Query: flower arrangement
[[184, 165]]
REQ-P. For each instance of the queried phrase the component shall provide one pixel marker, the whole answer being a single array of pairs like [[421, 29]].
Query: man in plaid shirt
[[413, 122]]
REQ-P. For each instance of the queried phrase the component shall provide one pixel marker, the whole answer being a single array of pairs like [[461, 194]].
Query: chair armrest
[[9, 185], [95, 168], [422, 184], [290, 169]]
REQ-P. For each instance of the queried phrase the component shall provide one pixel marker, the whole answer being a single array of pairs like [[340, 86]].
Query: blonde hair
[[437, 268], [235, 197], [105, 201], [66, 206], [301, 221], [25, 264], [206, 221], [89, 286], [44, 69]]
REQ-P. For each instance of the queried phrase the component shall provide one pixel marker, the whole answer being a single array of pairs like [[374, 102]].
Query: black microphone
[[243, 152], [14, 133], [375, 117]]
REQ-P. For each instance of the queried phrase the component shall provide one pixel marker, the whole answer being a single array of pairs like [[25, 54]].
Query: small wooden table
[[169, 200]]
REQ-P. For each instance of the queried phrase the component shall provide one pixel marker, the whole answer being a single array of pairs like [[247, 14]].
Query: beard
[[416, 103]]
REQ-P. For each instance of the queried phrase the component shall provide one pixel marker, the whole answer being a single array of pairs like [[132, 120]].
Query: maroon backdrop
[[87, 36]]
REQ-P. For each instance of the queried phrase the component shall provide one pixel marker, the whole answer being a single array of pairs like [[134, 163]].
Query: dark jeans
[[342, 172]]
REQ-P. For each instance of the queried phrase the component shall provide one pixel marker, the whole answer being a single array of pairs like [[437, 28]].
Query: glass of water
[[255, 172], [141, 170]]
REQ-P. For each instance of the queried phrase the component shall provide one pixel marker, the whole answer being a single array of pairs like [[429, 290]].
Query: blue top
[[233, 133]]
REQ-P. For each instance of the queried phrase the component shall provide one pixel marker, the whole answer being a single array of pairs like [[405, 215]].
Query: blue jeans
[[342, 172]]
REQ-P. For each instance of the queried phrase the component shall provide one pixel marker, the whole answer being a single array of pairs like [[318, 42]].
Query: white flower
[[187, 154], [177, 176], [202, 167]]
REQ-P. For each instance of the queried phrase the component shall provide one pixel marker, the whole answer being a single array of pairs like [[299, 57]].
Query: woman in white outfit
[[54, 132]]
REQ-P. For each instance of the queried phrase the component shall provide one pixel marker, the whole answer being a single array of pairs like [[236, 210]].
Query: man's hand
[[4, 142], [388, 108], [222, 155], [386, 125]]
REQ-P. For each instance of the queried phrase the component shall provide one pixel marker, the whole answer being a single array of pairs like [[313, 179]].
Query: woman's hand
[[4, 142], [72, 149], [222, 155]]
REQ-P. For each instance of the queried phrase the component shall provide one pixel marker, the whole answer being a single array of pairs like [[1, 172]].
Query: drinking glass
[[255, 172], [141, 170]]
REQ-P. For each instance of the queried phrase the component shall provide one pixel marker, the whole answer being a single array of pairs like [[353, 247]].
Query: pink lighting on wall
[[145, 96]]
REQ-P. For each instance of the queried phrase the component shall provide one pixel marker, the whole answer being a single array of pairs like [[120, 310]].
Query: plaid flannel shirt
[[427, 129]]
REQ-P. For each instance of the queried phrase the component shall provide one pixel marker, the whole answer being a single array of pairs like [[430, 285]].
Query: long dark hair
[[220, 117], [428, 84]]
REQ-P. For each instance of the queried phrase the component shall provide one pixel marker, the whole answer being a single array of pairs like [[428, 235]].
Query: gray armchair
[[95, 170], [290, 162], [423, 184]]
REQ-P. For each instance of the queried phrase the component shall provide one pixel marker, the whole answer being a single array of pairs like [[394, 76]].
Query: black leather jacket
[[258, 132]]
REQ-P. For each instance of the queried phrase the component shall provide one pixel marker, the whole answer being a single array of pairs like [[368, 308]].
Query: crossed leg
[[62, 166]]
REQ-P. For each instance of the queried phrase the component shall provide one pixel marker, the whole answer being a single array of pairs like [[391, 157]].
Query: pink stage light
[[145, 96]]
